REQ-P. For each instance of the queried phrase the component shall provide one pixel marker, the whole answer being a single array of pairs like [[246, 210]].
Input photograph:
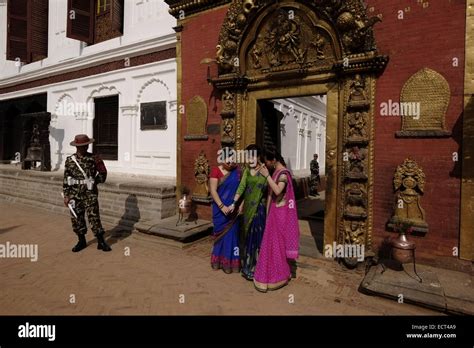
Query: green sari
[[253, 190]]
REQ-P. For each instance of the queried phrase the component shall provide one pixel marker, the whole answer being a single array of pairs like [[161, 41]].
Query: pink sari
[[280, 240]]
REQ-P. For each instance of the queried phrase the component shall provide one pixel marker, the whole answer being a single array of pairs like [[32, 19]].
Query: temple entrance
[[296, 128], [293, 49]]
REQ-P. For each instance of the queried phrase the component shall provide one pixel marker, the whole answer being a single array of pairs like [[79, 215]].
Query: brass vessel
[[403, 250]]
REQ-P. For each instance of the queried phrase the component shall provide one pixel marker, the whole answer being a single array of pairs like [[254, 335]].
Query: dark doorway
[[11, 131], [106, 127], [268, 126]]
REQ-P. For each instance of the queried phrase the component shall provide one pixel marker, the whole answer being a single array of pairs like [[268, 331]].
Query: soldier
[[82, 172], [314, 179]]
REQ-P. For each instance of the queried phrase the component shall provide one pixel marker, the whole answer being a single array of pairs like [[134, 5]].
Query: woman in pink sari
[[281, 237]]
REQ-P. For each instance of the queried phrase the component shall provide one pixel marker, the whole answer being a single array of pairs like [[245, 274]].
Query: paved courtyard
[[144, 275]]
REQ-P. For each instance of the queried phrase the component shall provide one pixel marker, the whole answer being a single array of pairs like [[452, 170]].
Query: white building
[[107, 68], [303, 132]]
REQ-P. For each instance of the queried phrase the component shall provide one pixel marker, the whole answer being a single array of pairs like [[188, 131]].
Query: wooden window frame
[[145, 106], [96, 131], [35, 50]]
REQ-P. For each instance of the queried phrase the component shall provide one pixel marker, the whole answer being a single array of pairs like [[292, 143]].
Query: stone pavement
[[154, 277]]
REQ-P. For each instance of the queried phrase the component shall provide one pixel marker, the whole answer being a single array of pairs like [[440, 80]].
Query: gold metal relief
[[201, 176], [357, 162], [228, 104], [424, 102], [286, 36], [196, 119], [228, 131], [358, 95], [289, 41], [409, 185], [355, 201], [355, 232]]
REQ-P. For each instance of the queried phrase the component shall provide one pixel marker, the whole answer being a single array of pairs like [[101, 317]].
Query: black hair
[[271, 155], [257, 149]]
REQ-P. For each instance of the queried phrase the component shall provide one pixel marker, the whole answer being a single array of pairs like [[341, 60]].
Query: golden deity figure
[[409, 184], [201, 175]]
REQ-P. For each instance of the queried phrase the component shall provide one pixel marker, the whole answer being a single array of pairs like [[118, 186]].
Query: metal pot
[[402, 249], [184, 205]]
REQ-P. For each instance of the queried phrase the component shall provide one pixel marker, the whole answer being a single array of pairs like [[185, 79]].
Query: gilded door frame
[[348, 80]]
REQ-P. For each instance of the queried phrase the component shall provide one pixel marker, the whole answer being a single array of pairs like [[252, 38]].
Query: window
[[27, 34], [103, 6], [94, 21], [106, 127], [153, 115]]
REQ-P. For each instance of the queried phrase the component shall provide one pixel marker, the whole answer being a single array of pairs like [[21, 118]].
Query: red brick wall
[[200, 35], [426, 37]]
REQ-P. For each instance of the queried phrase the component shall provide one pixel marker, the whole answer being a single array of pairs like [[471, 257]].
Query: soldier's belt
[[76, 182]]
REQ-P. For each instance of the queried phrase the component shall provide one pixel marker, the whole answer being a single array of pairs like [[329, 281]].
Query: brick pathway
[[151, 280]]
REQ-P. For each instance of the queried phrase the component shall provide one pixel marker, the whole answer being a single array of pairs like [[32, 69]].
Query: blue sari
[[225, 253]]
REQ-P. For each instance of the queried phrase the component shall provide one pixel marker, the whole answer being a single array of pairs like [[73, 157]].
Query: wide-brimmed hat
[[81, 140]]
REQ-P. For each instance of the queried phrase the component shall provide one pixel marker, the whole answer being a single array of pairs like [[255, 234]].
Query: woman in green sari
[[253, 191]]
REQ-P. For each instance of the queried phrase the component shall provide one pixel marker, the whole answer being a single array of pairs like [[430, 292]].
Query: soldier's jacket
[[92, 165], [314, 167]]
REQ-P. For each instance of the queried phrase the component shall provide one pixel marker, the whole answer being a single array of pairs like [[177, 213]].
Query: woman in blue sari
[[224, 181]]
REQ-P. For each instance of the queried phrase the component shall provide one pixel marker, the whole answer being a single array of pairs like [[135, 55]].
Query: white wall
[[303, 132], [147, 28], [147, 25], [139, 151]]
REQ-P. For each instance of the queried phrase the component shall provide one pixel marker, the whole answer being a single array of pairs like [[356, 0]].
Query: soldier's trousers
[[89, 206]]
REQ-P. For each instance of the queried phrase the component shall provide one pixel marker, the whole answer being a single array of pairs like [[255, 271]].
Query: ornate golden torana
[[409, 185], [429, 94], [196, 119], [288, 48]]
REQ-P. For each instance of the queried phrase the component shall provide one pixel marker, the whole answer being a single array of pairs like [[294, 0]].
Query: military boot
[[82, 244], [101, 244]]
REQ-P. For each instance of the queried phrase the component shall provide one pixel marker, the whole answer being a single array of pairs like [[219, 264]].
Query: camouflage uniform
[[314, 179], [86, 201]]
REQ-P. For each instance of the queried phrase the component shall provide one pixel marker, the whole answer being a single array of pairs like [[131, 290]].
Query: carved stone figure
[[409, 184], [201, 175], [356, 200]]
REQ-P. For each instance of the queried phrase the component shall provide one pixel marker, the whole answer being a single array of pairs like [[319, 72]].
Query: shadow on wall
[[58, 136], [127, 222], [466, 151]]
